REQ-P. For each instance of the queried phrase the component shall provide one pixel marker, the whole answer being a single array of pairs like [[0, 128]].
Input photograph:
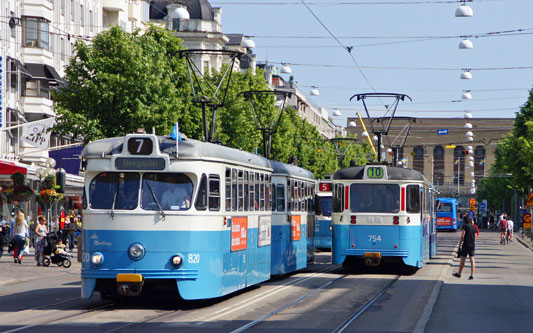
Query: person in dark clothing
[[467, 246]]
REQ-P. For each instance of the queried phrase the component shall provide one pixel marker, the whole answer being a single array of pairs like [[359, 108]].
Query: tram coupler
[[129, 288], [372, 259]]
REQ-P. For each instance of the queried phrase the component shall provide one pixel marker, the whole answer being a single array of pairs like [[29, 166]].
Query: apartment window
[[35, 32], [35, 88]]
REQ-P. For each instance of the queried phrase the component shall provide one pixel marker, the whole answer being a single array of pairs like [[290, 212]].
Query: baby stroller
[[50, 255]]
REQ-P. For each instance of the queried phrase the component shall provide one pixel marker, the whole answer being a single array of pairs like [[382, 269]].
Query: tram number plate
[[372, 255]]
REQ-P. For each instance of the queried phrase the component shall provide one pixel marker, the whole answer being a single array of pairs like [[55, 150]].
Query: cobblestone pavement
[[11, 273]]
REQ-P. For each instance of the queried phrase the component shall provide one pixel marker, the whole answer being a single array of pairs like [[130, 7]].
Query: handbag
[[459, 250]]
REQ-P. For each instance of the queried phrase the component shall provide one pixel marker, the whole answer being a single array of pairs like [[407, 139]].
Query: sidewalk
[[499, 299], [11, 273]]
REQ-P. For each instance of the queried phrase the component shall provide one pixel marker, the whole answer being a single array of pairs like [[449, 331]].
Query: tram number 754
[[374, 238]]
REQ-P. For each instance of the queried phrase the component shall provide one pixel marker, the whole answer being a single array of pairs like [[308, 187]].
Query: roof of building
[[234, 39], [198, 9]]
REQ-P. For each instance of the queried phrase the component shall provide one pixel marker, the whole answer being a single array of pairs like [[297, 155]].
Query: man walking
[[467, 246]]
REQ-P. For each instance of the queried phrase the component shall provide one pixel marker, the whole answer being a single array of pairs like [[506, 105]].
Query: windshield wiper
[[112, 213], [156, 201]]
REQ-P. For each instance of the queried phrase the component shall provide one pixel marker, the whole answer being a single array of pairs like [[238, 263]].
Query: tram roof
[[291, 170], [189, 149], [394, 173]]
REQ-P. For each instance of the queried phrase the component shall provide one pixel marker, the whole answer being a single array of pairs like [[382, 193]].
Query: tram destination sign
[[139, 163]]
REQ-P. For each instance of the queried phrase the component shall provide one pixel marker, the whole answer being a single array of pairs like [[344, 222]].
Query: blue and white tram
[[383, 213], [159, 216], [292, 218], [323, 215]]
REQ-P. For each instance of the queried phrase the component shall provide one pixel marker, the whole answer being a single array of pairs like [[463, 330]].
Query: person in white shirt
[[510, 226]]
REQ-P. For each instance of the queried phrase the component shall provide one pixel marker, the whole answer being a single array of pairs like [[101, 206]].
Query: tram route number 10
[[373, 172]]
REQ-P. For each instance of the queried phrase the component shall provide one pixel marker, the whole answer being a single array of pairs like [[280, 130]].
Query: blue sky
[[417, 52]]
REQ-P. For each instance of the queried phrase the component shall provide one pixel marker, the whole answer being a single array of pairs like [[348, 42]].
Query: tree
[[121, 82]]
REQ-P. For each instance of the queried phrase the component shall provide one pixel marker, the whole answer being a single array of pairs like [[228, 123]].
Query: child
[[60, 248]]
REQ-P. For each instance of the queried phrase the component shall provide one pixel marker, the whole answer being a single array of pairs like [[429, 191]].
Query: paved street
[[499, 299]]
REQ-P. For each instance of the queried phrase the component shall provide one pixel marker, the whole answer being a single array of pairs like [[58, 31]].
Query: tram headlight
[[136, 251], [176, 260], [97, 258]]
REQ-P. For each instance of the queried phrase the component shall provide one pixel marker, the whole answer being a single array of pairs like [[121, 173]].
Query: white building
[[37, 39]]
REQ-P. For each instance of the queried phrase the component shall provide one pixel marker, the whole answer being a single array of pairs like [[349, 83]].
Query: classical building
[[436, 147]]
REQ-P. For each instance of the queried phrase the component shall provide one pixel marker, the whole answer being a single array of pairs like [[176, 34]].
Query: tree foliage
[[513, 169], [121, 82]]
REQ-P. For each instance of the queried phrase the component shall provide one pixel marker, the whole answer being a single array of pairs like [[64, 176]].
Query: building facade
[[440, 148]]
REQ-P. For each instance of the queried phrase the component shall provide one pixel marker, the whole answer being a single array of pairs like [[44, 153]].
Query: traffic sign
[[526, 218], [471, 213], [472, 201], [482, 207], [443, 131], [529, 200]]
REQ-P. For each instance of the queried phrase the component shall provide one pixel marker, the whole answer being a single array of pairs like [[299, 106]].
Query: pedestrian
[[20, 230], [467, 246], [40, 233], [2, 223], [71, 232], [510, 227]]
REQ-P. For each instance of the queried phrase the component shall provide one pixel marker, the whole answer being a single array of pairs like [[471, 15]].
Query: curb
[[521, 241]]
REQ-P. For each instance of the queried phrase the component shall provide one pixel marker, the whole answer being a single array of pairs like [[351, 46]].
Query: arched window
[[459, 165], [418, 158], [438, 165], [479, 163]]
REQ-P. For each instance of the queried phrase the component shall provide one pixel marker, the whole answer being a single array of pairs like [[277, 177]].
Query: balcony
[[115, 5]]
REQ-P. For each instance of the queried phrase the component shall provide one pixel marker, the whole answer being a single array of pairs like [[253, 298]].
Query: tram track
[[342, 326]]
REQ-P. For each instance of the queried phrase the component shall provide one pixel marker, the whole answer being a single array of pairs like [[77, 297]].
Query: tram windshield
[[375, 198], [167, 191], [325, 205], [114, 190], [444, 208]]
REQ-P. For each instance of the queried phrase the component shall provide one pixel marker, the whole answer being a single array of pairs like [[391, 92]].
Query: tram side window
[[273, 191], [234, 189], [252, 192], [214, 193], [117, 190], [257, 194], [201, 199], [413, 199], [262, 192], [228, 189], [246, 191], [172, 191], [240, 186], [268, 193]]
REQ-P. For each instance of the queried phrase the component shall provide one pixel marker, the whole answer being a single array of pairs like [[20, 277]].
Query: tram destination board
[[139, 163]]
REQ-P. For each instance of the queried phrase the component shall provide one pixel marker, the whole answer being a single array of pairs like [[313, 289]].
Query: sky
[[399, 46]]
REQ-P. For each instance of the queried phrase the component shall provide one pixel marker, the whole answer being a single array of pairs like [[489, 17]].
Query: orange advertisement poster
[[239, 233], [296, 227], [444, 221]]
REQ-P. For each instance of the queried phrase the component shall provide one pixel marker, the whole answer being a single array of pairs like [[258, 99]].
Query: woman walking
[[40, 232], [19, 234]]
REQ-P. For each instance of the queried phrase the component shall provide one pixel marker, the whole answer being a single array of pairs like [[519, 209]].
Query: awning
[[9, 168], [23, 70], [43, 72]]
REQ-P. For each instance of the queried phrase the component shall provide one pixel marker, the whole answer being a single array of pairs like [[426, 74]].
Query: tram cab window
[[325, 205], [413, 199], [444, 207], [374, 198], [338, 198], [114, 190], [172, 191], [201, 198], [214, 193], [228, 189]]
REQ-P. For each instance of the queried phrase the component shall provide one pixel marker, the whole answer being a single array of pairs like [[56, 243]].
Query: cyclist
[[503, 229], [510, 226]]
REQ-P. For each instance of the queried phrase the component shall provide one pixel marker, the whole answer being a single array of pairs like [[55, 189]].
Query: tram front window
[[375, 198], [167, 191], [325, 205], [114, 190]]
